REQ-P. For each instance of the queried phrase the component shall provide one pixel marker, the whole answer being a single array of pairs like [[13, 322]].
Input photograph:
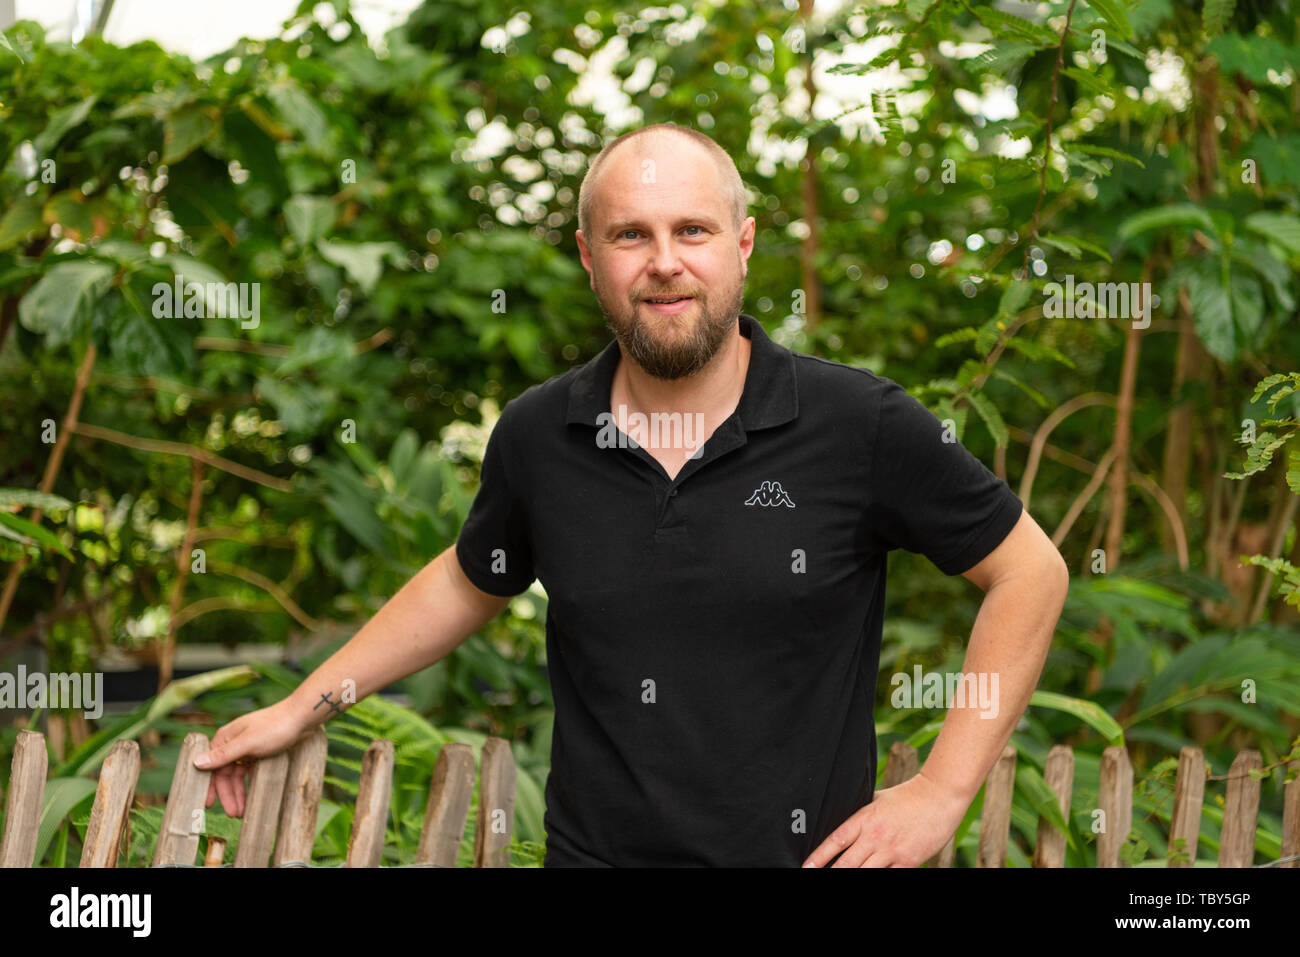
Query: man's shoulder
[[840, 387], [540, 405]]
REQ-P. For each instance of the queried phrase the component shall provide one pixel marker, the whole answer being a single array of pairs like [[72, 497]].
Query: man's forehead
[[666, 179], [661, 160]]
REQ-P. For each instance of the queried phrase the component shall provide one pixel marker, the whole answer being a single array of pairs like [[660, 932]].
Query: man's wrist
[[958, 795], [294, 710]]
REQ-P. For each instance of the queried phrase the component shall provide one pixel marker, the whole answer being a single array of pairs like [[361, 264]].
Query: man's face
[[661, 228]]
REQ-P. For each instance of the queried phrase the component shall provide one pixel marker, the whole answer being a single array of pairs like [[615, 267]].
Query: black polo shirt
[[713, 640]]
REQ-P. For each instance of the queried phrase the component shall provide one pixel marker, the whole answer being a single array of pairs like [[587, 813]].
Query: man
[[715, 600]]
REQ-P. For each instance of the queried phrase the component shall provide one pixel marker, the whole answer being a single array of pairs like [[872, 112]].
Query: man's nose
[[664, 260]]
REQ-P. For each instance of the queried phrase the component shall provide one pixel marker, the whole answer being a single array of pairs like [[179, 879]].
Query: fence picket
[[1115, 800], [448, 807], [182, 823], [1241, 809], [496, 805], [900, 766], [1189, 795], [1291, 817], [262, 810], [1058, 772], [995, 822], [26, 792], [304, 782], [112, 807], [366, 845]]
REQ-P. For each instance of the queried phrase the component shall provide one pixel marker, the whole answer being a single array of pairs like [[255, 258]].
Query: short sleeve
[[928, 493], [493, 547]]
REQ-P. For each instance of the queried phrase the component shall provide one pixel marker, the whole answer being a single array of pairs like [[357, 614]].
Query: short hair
[[739, 200]]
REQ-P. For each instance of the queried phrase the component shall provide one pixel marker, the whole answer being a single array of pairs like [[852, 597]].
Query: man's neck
[[714, 391]]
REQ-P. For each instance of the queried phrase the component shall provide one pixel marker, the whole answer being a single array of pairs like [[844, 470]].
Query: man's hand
[[903, 826], [258, 734]]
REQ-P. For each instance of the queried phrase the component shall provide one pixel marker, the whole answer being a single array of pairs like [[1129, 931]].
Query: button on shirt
[[713, 640]]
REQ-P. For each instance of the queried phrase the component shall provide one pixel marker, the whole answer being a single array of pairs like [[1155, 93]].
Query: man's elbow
[[1056, 575]]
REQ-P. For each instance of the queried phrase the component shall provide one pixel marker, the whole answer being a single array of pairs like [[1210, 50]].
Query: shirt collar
[[769, 398]]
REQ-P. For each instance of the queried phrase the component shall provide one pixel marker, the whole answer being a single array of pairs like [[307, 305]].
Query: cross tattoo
[[325, 699]]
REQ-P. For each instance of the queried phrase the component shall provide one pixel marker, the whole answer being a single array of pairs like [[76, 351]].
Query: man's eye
[[695, 227], [627, 232]]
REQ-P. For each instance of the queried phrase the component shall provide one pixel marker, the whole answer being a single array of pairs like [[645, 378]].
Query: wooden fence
[[284, 793], [1115, 800]]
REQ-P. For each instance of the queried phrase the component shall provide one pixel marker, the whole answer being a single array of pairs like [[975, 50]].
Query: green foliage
[[354, 188]]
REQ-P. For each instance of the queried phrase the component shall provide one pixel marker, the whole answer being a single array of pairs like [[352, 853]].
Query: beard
[[655, 343]]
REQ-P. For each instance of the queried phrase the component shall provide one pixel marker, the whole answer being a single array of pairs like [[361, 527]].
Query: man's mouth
[[666, 299]]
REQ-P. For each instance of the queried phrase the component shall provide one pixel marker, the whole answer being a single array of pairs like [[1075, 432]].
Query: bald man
[[709, 514]]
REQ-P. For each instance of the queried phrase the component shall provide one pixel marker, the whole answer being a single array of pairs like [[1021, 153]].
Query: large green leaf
[[1212, 313], [60, 305], [1112, 11], [1086, 711], [1162, 217], [1282, 228], [303, 114], [32, 499], [363, 262], [62, 795], [181, 691], [29, 533], [309, 218], [20, 220], [60, 122], [1041, 798], [185, 130]]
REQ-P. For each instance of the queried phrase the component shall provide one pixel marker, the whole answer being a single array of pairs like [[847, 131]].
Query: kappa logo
[[770, 493]]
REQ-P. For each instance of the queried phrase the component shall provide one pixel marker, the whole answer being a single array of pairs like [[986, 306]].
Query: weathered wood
[[1291, 817], [26, 792], [947, 854], [182, 823], [995, 821], [496, 805], [112, 807], [304, 782], [1115, 799], [448, 807], [900, 766], [1241, 808], [262, 811], [216, 853], [1189, 796], [1058, 772], [366, 845]]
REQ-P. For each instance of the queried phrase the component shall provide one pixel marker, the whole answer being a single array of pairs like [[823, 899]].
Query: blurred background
[[204, 503]]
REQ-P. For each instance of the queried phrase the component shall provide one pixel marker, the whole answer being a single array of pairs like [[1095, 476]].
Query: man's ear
[[584, 255]]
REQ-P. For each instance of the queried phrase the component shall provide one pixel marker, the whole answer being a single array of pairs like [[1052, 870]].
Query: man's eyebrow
[[707, 221]]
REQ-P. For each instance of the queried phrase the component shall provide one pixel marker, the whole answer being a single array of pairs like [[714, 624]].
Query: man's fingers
[[840, 838], [226, 788], [861, 850]]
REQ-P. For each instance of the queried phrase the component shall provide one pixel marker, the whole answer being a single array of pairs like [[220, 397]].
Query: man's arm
[[423, 623], [1025, 581]]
